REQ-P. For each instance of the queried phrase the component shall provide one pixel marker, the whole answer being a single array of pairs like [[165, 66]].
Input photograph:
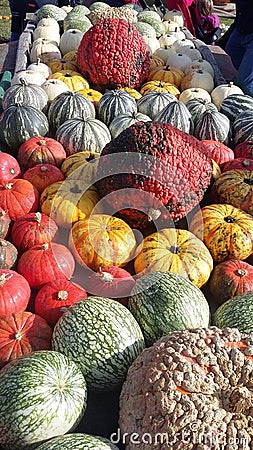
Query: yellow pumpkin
[[159, 86], [155, 61], [74, 80], [177, 251], [92, 94], [101, 241], [68, 201], [71, 56], [225, 230], [81, 166], [135, 94], [56, 65], [169, 74]]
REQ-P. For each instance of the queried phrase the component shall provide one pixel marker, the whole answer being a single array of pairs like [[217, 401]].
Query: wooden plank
[[24, 46]]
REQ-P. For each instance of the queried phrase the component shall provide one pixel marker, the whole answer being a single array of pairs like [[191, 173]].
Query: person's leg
[[234, 48], [245, 68]]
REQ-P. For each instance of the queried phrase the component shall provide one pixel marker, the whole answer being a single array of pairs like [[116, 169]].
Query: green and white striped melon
[[83, 133], [153, 19], [213, 125], [197, 106], [123, 121], [237, 312], [145, 29], [69, 105], [102, 337], [153, 102], [178, 115], [163, 302], [42, 395], [243, 127], [78, 441], [113, 103], [30, 94], [235, 104]]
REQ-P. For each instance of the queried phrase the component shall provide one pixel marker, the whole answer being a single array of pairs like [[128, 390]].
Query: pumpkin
[[235, 188], [55, 297], [69, 201], [49, 21], [8, 254], [54, 87], [177, 251], [81, 166], [168, 74], [179, 60], [15, 292], [83, 134], [4, 223], [113, 282], [74, 80], [223, 91], [82, 440], [42, 175], [116, 45], [242, 127], [197, 106], [20, 122], [218, 151], [194, 93], [230, 278], [153, 102], [244, 150], [184, 374], [162, 86], [22, 333], [238, 163], [225, 230], [44, 49], [213, 125], [92, 95], [123, 121], [177, 114], [29, 76], [236, 312], [41, 150], [9, 168], [198, 79], [133, 92], [71, 56], [30, 94], [234, 104], [200, 63], [56, 258], [70, 40], [113, 103], [102, 240], [155, 62], [175, 16], [56, 65], [69, 105], [40, 67], [46, 32], [18, 197], [33, 229], [163, 53]]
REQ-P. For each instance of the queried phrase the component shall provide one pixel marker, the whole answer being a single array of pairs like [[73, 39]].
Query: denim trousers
[[240, 48]]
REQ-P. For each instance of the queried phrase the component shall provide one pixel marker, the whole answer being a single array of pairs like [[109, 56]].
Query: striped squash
[[102, 337], [113, 103], [237, 312], [153, 102], [30, 94], [20, 122], [163, 302], [234, 104], [69, 105], [123, 121], [213, 125], [197, 106], [243, 127], [177, 114], [78, 441], [30, 389], [83, 134]]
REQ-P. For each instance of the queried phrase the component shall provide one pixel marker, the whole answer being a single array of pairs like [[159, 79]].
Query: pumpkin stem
[[62, 295], [44, 169], [5, 277], [174, 249], [8, 186], [42, 142], [248, 181], [45, 246], [153, 214], [38, 217], [18, 336], [2, 213], [246, 163], [3, 243], [242, 272], [229, 219], [105, 276]]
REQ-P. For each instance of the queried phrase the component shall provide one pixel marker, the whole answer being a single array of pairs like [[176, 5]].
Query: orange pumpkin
[[168, 73], [70, 56], [56, 65], [74, 80], [42, 175], [82, 166], [155, 62], [102, 240], [177, 251], [226, 231]]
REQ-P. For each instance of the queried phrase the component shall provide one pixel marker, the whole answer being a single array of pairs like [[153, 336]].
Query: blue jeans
[[240, 48]]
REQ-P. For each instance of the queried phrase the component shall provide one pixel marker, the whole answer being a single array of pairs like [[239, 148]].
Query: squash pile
[[126, 231]]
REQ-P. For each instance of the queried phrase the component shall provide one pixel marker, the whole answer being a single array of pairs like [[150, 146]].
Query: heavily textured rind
[[153, 167], [191, 390], [113, 54]]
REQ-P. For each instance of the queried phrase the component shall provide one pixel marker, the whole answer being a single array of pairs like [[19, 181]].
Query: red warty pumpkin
[[218, 151]]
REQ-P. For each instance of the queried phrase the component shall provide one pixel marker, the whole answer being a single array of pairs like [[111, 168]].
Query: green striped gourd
[[113, 103], [83, 133], [102, 337], [30, 94], [237, 312], [20, 122], [77, 19], [197, 106], [234, 104], [153, 19], [123, 121], [243, 127], [69, 105], [213, 125], [51, 11], [163, 302], [145, 29], [153, 102], [78, 441], [178, 115], [42, 395]]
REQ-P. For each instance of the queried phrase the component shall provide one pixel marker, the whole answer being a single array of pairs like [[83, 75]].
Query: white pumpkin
[[46, 32], [169, 25], [40, 67], [44, 50], [192, 52], [49, 21], [30, 76], [179, 60], [164, 52], [200, 64], [176, 16], [167, 39], [223, 91], [191, 93], [198, 79], [152, 43], [179, 44], [53, 88], [70, 40]]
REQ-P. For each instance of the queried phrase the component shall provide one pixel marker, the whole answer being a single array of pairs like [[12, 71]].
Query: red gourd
[[218, 151], [238, 163], [244, 150], [41, 150], [18, 197], [15, 292], [9, 168], [42, 175], [33, 229]]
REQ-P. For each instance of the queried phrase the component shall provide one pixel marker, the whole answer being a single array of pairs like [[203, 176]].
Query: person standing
[[240, 43]]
